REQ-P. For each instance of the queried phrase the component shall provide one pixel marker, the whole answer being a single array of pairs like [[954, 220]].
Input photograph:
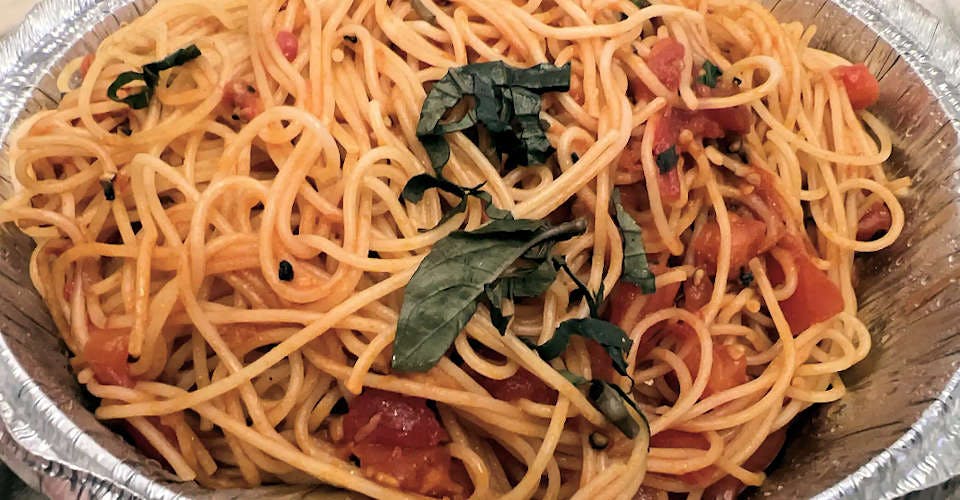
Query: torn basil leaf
[[443, 293], [614, 340], [613, 404], [711, 73], [506, 102], [636, 269], [573, 378], [415, 188], [150, 76], [641, 4], [667, 160]]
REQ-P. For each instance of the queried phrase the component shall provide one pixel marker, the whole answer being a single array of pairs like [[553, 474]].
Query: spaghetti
[[227, 262]]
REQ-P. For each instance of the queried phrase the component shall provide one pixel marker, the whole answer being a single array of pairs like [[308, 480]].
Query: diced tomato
[[746, 236], [815, 299], [241, 97], [630, 160], [634, 196], [626, 293], [666, 62], [875, 222], [391, 419], [735, 119], [863, 90], [422, 470], [85, 64], [106, 353], [522, 384], [669, 185], [696, 294], [288, 43], [679, 439], [726, 371], [730, 487], [622, 296], [601, 366]]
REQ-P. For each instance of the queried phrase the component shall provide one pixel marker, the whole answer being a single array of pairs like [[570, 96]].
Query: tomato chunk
[[422, 470], [816, 298], [288, 44], [746, 236], [106, 353], [666, 61], [626, 293], [241, 97], [875, 222], [727, 370], [391, 419], [863, 90], [729, 487], [679, 439], [521, 385], [696, 294]]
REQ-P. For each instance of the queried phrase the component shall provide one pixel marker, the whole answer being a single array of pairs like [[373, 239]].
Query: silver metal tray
[[897, 430]]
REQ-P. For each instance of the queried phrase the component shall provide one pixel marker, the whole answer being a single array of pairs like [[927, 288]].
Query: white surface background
[[13, 11]]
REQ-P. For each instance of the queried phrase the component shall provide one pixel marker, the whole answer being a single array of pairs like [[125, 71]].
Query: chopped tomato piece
[[815, 299], [522, 384], [730, 487], [669, 185], [85, 64], [863, 90], [696, 294], [629, 160], [242, 98], [601, 366], [106, 353], [391, 419], [422, 470], [875, 222], [746, 236], [679, 439], [288, 43], [726, 371], [735, 119], [626, 293], [666, 62], [144, 445]]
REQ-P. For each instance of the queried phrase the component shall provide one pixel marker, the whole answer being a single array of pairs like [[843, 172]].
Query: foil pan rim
[[909, 464]]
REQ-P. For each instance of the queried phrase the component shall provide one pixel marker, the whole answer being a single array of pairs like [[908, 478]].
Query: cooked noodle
[[243, 369]]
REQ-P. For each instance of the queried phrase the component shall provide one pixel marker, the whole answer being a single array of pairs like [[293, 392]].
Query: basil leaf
[[641, 4], [150, 76], [415, 188], [443, 293], [506, 101], [614, 340], [612, 403], [710, 74], [573, 378], [636, 270], [667, 160]]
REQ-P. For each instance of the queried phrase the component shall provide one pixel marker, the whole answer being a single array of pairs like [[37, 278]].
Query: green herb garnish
[[506, 101], [417, 185], [150, 77], [636, 269], [641, 4], [613, 339], [612, 403], [667, 160], [746, 277], [710, 74], [455, 276]]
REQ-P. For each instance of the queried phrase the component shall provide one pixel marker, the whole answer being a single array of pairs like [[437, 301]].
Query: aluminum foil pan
[[897, 431]]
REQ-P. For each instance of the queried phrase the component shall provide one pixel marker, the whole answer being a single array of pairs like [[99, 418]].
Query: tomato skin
[[241, 97], [876, 220], [726, 371], [746, 237], [863, 90], [669, 185], [625, 293], [601, 366], [106, 353], [288, 44], [521, 385], [666, 61], [696, 295], [422, 470], [679, 439], [816, 298], [391, 419], [728, 487]]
